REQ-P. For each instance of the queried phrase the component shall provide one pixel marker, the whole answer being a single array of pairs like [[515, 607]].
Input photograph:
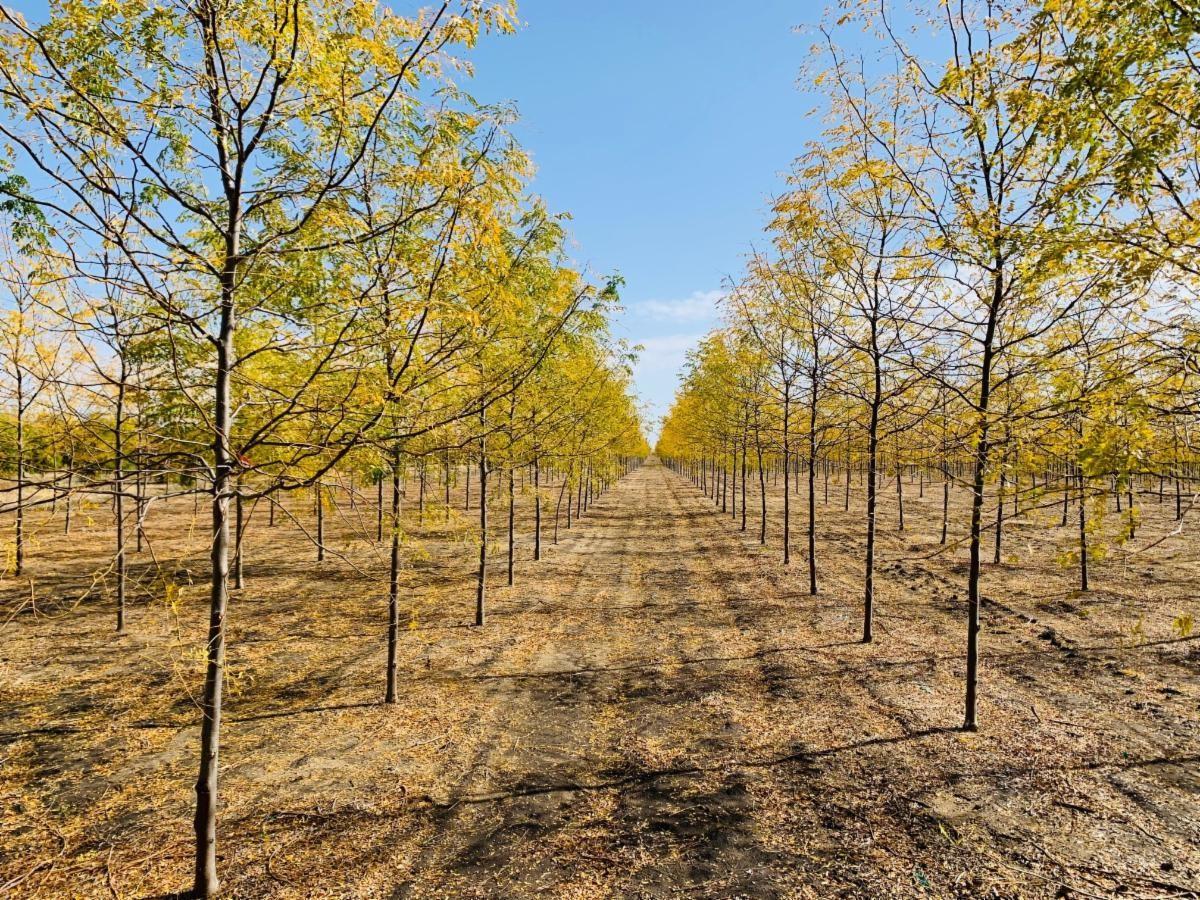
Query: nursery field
[[778, 480], [658, 708]]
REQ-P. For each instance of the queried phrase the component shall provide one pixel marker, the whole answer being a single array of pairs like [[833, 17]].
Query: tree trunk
[[1083, 543], [206, 882], [999, 516], [238, 536], [422, 474], [787, 467], [762, 495], [379, 509], [872, 498], [318, 493], [945, 501], [812, 494], [70, 488], [537, 507], [982, 451], [745, 450], [119, 500], [19, 561], [512, 523], [481, 580], [393, 636]]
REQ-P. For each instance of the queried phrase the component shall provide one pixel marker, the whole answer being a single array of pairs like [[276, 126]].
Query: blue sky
[[664, 128]]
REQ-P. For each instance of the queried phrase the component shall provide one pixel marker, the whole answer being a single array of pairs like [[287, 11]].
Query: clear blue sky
[[663, 128]]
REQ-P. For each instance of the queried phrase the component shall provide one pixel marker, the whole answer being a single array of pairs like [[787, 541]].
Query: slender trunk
[[872, 490], [558, 506], [744, 450], [982, 451], [481, 579], [319, 495], [537, 507], [238, 535], [393, 636], [1178, 481], [206, 882], [849, 462], [423, 473], [999, 515], [787, 466], [70, 489], [379, 509], [812, 495], [119, 500], [1066, 501], [1083, 543], [762, 495], [512, 522], [139, 483], [19, 561], [945, 501]]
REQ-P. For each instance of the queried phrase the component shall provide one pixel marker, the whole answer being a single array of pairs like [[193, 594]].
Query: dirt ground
[[657, 709]]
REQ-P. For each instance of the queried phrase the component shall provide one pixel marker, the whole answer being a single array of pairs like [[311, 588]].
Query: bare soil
[[657, 709]]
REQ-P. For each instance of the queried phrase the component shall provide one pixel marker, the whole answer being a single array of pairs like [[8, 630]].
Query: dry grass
[[657, 709]]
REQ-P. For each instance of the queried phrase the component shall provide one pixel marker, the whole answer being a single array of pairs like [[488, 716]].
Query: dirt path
[[681, 720], [658, 709]]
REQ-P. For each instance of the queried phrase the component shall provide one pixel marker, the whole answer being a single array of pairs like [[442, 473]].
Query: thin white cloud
[[665, 353], [701, 306], [656, 375]]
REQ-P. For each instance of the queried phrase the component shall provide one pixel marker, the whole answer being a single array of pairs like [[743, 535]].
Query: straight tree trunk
[[787, 466], [422, 475], [999, 516], [19, 560], [982, 455], [945, 501], [206, 883], [481, 580], [1083, 542], [745, 449], [379, 509], [393, 636], [70, 489], [812, 483], [512, 523], [872, 499], [762, 496], [119, 500], [318, 493], [239, 581], [537, 507]]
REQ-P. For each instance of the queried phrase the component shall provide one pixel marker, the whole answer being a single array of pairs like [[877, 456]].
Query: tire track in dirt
[[461, 836], [649, 793]]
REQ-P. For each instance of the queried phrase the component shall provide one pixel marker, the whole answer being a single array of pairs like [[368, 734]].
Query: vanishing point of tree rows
[[270, 254], [981, 281]]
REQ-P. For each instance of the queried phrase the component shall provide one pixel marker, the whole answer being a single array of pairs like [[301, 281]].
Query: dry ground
[[657, 709]]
